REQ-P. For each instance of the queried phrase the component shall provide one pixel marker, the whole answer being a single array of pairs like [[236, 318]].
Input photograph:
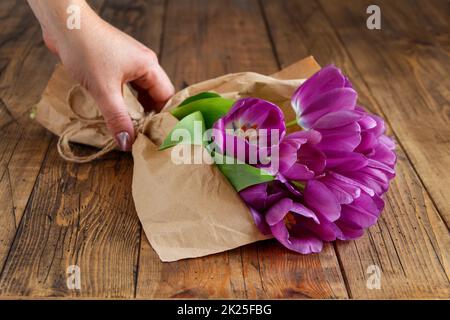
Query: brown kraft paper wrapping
[[186, 211]]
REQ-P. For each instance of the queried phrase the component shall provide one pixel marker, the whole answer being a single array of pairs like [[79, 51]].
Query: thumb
[[118, 121]]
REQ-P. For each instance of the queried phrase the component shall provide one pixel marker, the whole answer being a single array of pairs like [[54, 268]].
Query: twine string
[[64, 148]]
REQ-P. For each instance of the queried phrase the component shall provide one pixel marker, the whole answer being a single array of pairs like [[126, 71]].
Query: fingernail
[[123, 140]]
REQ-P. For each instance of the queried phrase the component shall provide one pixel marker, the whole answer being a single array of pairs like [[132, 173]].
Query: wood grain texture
[[215, 38], [143, 19], [405, 65], [54, 214], [410, 243], [78, 214], [25, 67]]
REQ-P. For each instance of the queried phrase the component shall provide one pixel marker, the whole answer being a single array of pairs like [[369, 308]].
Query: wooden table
[[54, 214]]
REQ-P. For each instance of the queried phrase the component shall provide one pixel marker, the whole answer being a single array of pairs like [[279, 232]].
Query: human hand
[[103, 58]]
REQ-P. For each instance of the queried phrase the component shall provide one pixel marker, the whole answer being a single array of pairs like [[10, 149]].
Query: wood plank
[[420, 47], [421, 22], [410, 242], [414, 79], [141, 19], [78, 214], [25, 67], [273, 272], [216, 38]]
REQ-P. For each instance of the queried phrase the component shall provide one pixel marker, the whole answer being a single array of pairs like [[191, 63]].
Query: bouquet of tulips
[[319, 177]]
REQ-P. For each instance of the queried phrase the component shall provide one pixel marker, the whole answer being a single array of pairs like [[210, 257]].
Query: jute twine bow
[[63, 145]]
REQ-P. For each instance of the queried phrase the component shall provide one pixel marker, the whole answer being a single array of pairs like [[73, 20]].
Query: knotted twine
[[63, 145]]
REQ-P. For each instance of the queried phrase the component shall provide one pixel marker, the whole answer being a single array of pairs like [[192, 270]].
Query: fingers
[[117, 119], [157, 84], [154, 82]]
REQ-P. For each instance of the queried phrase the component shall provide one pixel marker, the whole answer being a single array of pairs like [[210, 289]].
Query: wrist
[[54, 17]]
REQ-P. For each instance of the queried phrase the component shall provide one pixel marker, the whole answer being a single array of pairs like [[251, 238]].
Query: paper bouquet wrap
[[340, 186]]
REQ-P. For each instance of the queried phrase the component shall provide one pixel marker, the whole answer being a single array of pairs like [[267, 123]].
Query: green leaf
[[200, 96], [188, 131], [241, 175], [212, 109]]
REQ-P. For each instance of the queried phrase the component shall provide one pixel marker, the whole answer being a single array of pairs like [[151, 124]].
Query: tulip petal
[[298, 172], [337, 119], [299, 158], [320, 198], [304, 244], [325, 231], [345, 161], [344, 192], [280, 209], [324, 80], [362, 213], [264, 195], [345, 138], [349, 233], [260, 221], [353, 182], [331, 101]]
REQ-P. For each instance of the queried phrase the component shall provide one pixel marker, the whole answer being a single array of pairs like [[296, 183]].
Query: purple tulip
[[299, 157], [360, 162], [250, 130], [369, 178], [289, 221], [332, 176], [340, 131], [325, 92], [261, 197]]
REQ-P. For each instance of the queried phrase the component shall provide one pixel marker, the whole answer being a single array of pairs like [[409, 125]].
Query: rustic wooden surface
[[54, 214]]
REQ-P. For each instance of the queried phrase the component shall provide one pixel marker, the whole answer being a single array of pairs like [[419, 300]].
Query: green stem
[[298, 185], [291, 123]]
